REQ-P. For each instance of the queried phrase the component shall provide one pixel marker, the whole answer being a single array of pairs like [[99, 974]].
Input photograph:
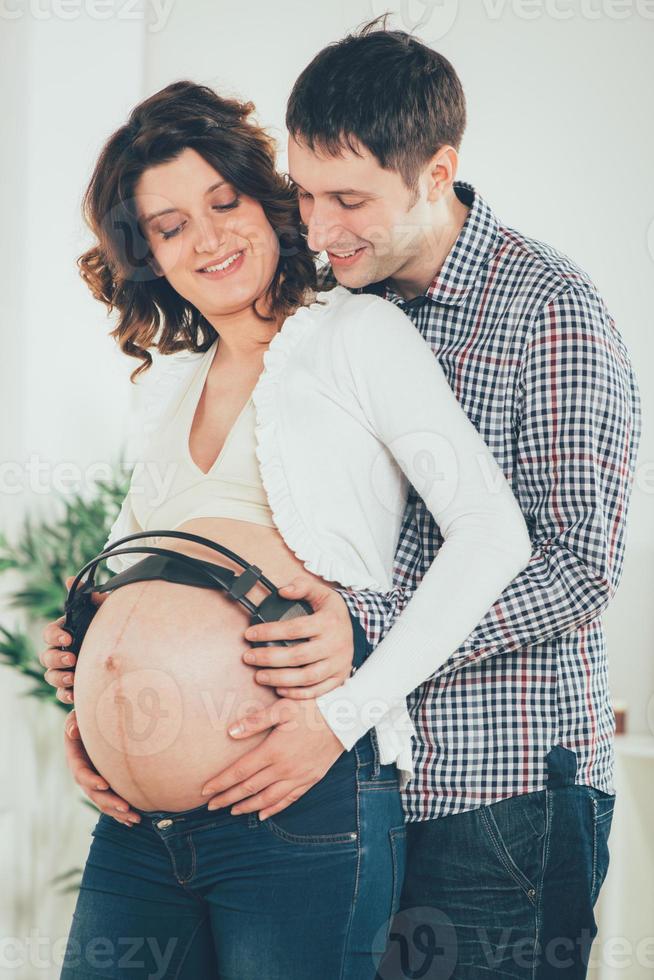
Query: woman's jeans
[[194, 895]]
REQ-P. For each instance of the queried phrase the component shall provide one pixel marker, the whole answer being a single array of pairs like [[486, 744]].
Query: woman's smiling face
[[214, 245]]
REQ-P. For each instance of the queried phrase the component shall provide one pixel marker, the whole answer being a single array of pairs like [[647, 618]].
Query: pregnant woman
[[286, 427]]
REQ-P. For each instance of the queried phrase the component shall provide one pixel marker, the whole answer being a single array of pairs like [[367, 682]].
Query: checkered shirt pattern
[[536, 362]]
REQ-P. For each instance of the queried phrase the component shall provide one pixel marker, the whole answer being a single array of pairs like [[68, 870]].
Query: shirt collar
[[470, 253]]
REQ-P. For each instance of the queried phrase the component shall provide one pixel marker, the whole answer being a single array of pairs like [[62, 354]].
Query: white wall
[[559, 142], [65, 85]]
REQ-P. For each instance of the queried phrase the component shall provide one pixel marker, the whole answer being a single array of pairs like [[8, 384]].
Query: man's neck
[[416, 276]]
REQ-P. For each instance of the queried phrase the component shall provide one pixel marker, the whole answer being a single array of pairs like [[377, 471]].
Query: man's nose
[[321, 230]]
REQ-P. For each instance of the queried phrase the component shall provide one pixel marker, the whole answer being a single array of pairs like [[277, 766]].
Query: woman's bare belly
[[160, 675]]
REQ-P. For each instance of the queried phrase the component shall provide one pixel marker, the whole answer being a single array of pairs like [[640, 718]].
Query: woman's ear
[[154, 265]]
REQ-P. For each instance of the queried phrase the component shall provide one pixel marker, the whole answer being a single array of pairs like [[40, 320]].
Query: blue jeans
[[506, 890], [194, 895]]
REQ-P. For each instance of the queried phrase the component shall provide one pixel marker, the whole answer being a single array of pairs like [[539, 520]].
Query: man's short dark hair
[[384, 89]]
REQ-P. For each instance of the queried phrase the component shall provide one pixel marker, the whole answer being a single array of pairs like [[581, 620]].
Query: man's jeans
[[307, 893], [506, 890]]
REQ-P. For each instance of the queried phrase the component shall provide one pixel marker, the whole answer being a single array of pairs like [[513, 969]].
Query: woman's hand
[[60, 663], [308, 669], [298, 751], [91, 782]]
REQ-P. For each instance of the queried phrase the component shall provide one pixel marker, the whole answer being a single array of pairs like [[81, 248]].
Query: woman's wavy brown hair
[[118, 269]]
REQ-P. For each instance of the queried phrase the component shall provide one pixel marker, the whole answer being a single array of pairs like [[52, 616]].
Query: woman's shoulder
[[366, 323]]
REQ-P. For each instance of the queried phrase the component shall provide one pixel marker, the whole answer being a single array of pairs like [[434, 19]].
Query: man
[[510, 806]]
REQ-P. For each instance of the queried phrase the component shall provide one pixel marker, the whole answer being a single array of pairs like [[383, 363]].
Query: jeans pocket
[[292, 837], [398, 856], [516, 830], [602, 809], [326, 814]]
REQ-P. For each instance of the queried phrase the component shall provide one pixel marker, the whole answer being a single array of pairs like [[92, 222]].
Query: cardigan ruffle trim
[[285, 513]]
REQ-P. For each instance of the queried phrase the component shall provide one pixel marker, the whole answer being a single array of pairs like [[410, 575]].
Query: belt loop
[[376, 763]]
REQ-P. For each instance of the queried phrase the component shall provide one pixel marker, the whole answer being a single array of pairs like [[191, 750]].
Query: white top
[[168, 488], [351, 407]]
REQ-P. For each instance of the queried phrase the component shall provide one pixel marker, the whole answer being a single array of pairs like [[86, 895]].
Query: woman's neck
[[244, 338]]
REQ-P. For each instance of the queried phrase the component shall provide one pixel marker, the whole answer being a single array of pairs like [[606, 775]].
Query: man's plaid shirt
[[537, 364]]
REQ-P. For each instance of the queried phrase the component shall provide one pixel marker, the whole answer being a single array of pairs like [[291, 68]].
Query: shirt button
[[162, 824]]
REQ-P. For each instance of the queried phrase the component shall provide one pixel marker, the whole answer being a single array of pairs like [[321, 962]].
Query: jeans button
[[162, 824]]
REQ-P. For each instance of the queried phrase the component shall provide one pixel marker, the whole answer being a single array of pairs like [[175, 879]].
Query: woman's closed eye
[[171, 232]]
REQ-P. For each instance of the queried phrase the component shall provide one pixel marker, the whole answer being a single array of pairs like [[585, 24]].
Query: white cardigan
[[352, 405]]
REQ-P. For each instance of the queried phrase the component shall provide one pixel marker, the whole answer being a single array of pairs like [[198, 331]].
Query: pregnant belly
[[159, 679]]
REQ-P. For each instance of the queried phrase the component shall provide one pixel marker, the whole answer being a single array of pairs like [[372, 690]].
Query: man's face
[[366, 218]]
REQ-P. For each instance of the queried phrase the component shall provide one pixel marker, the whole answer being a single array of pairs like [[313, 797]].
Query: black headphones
[[173, 566]]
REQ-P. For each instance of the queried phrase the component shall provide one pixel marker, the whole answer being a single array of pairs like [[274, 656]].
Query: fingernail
[[101, 785], [263, 676], [251, 633], [68, 695], [235, 730], [235, 810], [207, 792], [212, 806], [68, 660], [121, 807], [67, 678], [73, 731], [63, 639], [249, 658]]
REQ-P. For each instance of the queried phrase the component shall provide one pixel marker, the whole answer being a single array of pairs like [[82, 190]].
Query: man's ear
[[441, 172]]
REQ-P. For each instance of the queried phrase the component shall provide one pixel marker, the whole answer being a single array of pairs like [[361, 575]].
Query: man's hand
[[297, 753], [323, 662], [59, 662], [94, 786]]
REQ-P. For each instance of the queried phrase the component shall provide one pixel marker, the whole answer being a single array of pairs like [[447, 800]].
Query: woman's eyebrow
[[157, 214]]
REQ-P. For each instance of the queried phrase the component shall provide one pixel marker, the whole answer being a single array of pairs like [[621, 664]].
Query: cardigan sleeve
[[415, 415]]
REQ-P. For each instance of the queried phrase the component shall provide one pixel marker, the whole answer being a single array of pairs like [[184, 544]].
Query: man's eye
[[350, 207]]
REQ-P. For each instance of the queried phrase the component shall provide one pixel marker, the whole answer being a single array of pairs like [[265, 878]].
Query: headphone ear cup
[[275, 608], [78, 619]]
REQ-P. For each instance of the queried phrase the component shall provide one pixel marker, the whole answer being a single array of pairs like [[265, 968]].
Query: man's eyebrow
[[157, 214], [345, 190]]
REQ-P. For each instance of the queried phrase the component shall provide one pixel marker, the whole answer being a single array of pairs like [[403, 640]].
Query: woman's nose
[[208, 237]]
